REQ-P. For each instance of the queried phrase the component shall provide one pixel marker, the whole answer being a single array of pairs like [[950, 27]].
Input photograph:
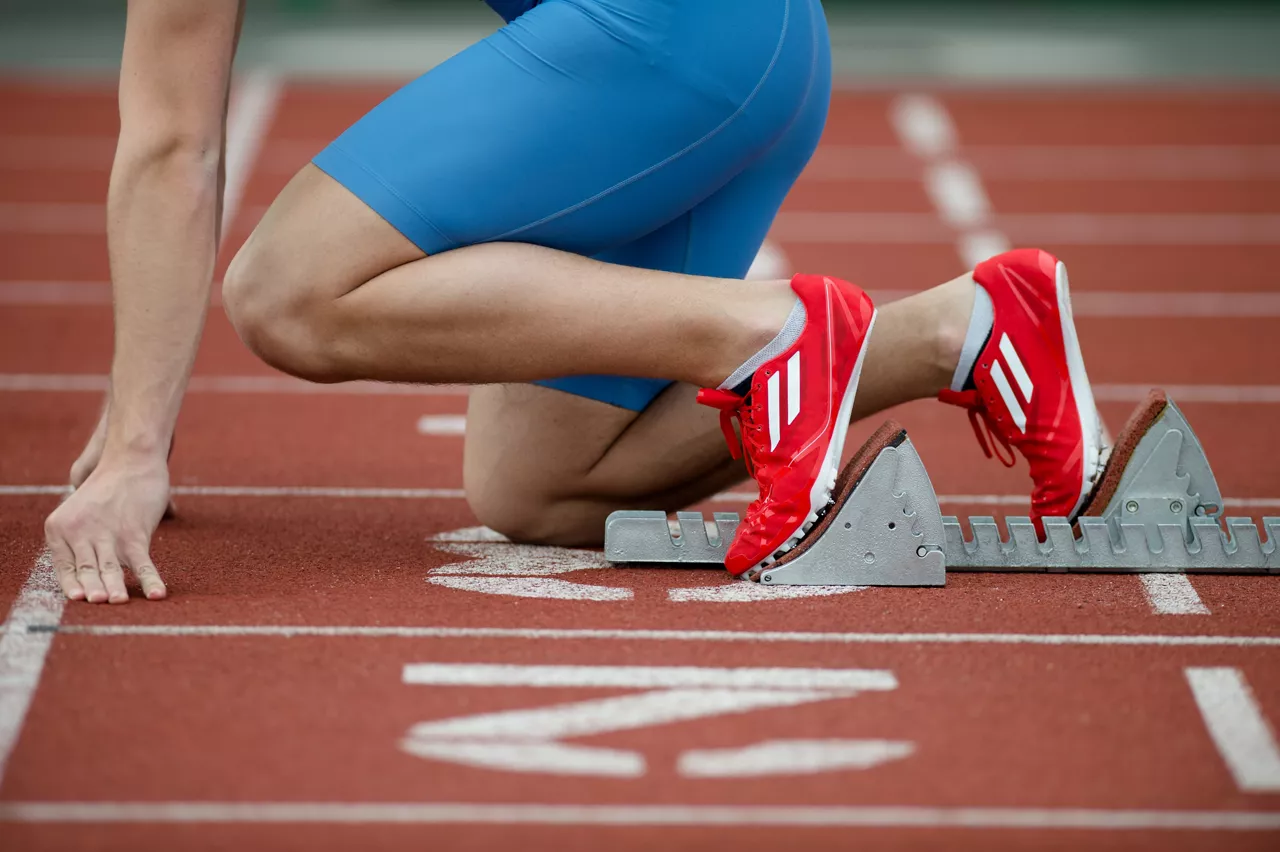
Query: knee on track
[[538, 518]]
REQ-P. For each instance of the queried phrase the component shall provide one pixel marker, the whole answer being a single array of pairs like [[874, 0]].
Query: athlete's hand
[[106, 526]]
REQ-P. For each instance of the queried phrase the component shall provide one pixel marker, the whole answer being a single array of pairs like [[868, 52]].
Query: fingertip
[[75, 595], [157, 594], [97, 596], [118, 598]]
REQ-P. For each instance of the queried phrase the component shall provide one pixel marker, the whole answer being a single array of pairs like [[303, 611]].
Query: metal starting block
[[1156, 509]]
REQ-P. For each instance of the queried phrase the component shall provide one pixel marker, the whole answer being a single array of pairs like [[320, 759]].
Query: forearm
[[162, 235]]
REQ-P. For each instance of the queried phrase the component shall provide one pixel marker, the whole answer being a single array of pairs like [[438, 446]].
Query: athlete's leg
[[311, 294], [329, 290], [574, 129], [525, 478]]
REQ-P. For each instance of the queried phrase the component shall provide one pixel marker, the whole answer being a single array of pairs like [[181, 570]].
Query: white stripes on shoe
[[1019, 371], [775, 399]]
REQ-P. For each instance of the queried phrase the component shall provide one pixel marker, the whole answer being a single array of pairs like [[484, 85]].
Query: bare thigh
[[331, 240]]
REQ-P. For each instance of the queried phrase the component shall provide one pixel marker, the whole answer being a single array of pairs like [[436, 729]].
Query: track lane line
[[1158, 640], [23, 649], [1237, 727], [1172, 594], [727, 816], [953, 185], [40, 603], [339, 492], [97, 383], [254, 99], [1222, 394]]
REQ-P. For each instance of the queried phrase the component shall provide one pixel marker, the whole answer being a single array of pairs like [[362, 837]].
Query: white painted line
[[1085, 303], [459, 494], [496, 559], [1165, 304], [253, 104], [771, 264], [1055, 163], [57, 152], [1172, 594], [924, 126], [742, 591], [442, 424], [546, 588], [861, 228], [53, 218], [470, 534], [927, 131], [1059, 163], [730, 636], [23, 649], [531, 754], [1216, 394], [527, 740], [1238, 728], [646, 677], [97, 383], [494, 566], [1135, 304], [55, 293], [977, 245], [791, 757], [724, 816], [830, 162], [957, 192], [1091, 229]]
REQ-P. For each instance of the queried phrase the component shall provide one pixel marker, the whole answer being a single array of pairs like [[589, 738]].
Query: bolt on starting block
[[1156, 508]]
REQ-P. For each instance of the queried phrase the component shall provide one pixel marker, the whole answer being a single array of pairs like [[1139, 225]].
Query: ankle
[[752, 324], [951, 313]]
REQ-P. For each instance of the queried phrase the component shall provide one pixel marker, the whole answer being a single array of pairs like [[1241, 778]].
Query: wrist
[[143, 450]]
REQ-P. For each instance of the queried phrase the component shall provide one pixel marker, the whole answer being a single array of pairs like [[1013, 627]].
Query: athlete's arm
[[163, 209]]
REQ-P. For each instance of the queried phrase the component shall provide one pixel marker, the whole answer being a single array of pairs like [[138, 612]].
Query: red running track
[[294, 690]]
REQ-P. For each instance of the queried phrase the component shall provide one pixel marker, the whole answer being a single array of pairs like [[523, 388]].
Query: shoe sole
[[1086, 409], [820, 496], [891, 434]]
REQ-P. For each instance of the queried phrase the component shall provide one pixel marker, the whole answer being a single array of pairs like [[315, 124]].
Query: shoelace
[[731, 406], [980, 420]]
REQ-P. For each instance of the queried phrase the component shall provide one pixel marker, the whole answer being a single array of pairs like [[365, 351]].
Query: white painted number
[[532, 740]]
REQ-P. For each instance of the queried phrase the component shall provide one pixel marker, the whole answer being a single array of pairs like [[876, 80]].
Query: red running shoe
[[1032, 391], [794, 418]]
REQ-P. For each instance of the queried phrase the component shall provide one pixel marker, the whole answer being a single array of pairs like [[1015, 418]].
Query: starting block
[[1155, 509]]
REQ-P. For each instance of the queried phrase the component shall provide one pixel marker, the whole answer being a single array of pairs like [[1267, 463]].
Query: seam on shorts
[[764, 78], [392, 190]]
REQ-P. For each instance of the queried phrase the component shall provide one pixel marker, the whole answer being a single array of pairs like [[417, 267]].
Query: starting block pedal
[[1155, 509], [884, 528]]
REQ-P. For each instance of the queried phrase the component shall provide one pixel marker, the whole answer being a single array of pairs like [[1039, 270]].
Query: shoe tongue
[[743, 388]]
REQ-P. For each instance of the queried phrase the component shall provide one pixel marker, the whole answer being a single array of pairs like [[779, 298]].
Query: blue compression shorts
[[662, 134]]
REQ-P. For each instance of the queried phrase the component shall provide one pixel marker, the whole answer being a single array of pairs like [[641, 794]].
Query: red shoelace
[[988, 438]]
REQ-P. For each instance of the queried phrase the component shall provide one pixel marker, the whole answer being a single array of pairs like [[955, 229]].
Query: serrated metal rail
[[1199, 547]]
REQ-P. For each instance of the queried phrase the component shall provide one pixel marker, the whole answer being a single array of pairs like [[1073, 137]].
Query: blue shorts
[[662, 134]]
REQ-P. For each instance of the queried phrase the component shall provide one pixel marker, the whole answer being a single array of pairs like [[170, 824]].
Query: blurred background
[[1067, 40]]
